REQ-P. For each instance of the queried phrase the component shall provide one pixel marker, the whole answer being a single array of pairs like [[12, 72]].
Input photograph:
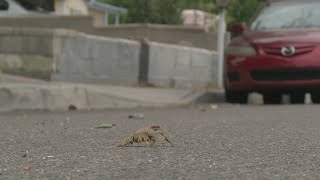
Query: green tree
[[241, 10], [165, 12], [169, 11], [149, 11]]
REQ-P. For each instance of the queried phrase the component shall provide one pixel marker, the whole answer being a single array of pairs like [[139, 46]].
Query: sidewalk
[[18, 93]]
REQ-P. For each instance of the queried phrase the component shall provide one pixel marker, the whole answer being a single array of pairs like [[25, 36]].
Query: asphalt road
[[231, 142]]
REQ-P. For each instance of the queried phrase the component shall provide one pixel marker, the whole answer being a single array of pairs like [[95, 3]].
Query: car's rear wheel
[[272, 98], [238, 97], [315, 96], [297, 98]]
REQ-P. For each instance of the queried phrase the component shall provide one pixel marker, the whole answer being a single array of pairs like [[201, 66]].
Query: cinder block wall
[[77, 23], [27, 52], [66, 55], [26, 41], [92, 59], [170, 34], [178, 66], [85, 58]]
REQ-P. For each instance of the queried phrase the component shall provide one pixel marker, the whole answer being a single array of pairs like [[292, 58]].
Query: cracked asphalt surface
[[231, 142]]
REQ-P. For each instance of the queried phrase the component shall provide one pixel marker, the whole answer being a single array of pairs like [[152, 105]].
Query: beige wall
[[73, 7], [58, 6], [79, 7], [98, 17]]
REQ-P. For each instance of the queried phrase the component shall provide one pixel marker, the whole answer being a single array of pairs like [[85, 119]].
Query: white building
[[194, 17], [101, 12]]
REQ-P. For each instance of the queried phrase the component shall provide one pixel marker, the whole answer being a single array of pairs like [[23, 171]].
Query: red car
[[278, 53]]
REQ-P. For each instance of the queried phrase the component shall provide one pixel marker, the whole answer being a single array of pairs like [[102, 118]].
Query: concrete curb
[[63, 97]]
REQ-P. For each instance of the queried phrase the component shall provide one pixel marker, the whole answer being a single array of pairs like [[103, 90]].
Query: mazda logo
[[288, 51]]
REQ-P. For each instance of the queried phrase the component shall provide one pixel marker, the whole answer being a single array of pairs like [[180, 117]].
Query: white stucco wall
[[72, 7]]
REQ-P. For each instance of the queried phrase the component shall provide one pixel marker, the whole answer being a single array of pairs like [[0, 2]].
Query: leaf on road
[[213, 106], [27, 168], [105, 126], [136, 116]]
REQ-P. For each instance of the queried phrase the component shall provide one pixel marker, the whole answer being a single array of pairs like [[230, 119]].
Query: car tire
[[236, 97], [297, 98], [315, 97], [272, 98]]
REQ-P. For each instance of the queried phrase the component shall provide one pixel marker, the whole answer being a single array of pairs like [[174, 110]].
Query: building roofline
[[106, 7]]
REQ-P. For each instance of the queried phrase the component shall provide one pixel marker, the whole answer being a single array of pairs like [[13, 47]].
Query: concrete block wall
[[85, 58], [178, 66], [26, 51], [26, 41], [78, 23], [79, 57], [169, 34]]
